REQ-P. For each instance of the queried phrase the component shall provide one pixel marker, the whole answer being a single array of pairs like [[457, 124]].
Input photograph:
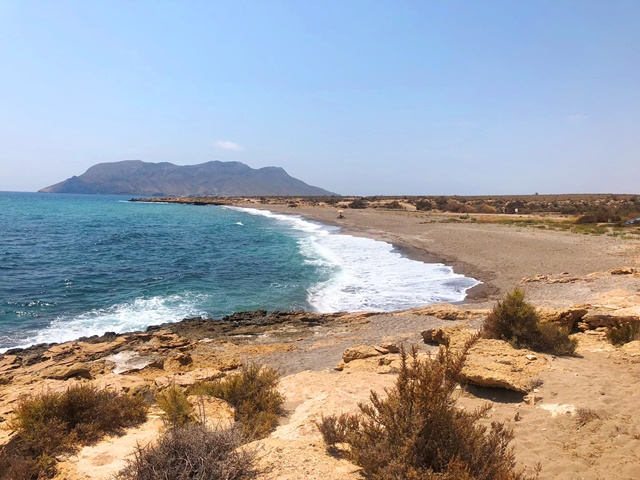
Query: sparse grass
[[178, 412], [54, 423], [253, 394], [419, 433], [623, 332], [193, 452], [514, 320], [584, 416]]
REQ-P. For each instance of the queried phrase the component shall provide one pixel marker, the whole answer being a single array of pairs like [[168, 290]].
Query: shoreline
[[499, 256], [477, 294]]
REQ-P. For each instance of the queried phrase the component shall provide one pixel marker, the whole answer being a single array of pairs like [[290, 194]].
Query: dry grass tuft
[[53, 423], [254, 395], [178, 412], [193, 452]]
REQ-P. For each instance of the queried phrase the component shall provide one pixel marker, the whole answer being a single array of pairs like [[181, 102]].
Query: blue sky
[[358, 97]]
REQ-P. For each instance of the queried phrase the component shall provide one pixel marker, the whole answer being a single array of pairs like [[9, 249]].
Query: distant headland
[[226, 179]]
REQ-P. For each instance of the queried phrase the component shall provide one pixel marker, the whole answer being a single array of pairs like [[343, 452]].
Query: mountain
[[135, 177]]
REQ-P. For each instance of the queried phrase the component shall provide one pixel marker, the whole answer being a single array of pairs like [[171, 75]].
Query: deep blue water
[[76, 265]]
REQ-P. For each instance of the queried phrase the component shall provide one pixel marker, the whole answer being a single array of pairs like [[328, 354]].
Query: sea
[[73, 266]]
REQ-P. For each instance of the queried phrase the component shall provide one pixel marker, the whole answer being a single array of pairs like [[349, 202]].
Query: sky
[[360, 97]]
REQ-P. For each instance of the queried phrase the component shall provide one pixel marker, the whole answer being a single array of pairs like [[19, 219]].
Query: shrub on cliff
[[254, 395], [190, 452], [52, 423], [516, 321], [419, 433]]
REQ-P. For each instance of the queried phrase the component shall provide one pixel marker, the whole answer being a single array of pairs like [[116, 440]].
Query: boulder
[[494, 363], [358, 352]]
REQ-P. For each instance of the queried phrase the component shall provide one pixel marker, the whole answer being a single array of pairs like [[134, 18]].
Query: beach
[[577, 417], [500, 256]]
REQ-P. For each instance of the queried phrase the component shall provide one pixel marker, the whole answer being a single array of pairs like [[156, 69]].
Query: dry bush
[[584, 416], [486, 208], [516, 321], [623, 332], [419, 433], [178, 412], [193, 452], [53, 423], [254, 395]]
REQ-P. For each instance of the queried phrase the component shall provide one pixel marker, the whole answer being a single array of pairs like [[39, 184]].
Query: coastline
[[569, 278], [499, 256]]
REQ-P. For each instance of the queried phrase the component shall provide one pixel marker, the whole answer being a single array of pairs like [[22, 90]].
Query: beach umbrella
[[340, 211]]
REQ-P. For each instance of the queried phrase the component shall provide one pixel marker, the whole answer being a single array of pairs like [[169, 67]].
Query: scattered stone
[[390, 347], [532, 399], [623, 271], [359, 352]]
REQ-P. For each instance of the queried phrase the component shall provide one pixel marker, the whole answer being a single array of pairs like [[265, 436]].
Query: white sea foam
[[366, 274], [119, 318]]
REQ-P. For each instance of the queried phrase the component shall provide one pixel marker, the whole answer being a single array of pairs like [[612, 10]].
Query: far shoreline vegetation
[[578, 213]]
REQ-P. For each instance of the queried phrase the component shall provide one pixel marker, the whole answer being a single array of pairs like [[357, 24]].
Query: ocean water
[[80, 265]]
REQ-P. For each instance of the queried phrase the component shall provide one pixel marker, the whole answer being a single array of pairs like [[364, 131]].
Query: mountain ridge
[[226, 179]]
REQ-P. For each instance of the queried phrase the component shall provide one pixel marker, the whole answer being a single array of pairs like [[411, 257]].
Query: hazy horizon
[[359, 98]]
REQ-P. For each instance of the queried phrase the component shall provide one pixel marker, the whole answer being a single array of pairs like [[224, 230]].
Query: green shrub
[[253, 394], [178, 412], [358, 203], [193, 452], [53, 423], [419, 433], [516, 321], [623, 332]]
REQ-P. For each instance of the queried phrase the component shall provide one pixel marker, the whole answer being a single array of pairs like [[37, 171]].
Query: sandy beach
[[500, 256]]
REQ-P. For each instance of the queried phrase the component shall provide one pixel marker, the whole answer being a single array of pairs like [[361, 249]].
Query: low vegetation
[[418, 432], [516, 321], [254, 395], [193, 452], [53, 423], [623, 332], [178, 412]]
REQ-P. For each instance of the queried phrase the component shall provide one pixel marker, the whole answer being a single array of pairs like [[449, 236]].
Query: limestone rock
[[566, 317], [189, 378], [609, 317], [359, 352], [64, 372], [494, 363], [623, 271], [390, 347], [446, 311]]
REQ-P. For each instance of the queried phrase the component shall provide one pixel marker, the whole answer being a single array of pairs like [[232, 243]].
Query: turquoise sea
[[80, 265]]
